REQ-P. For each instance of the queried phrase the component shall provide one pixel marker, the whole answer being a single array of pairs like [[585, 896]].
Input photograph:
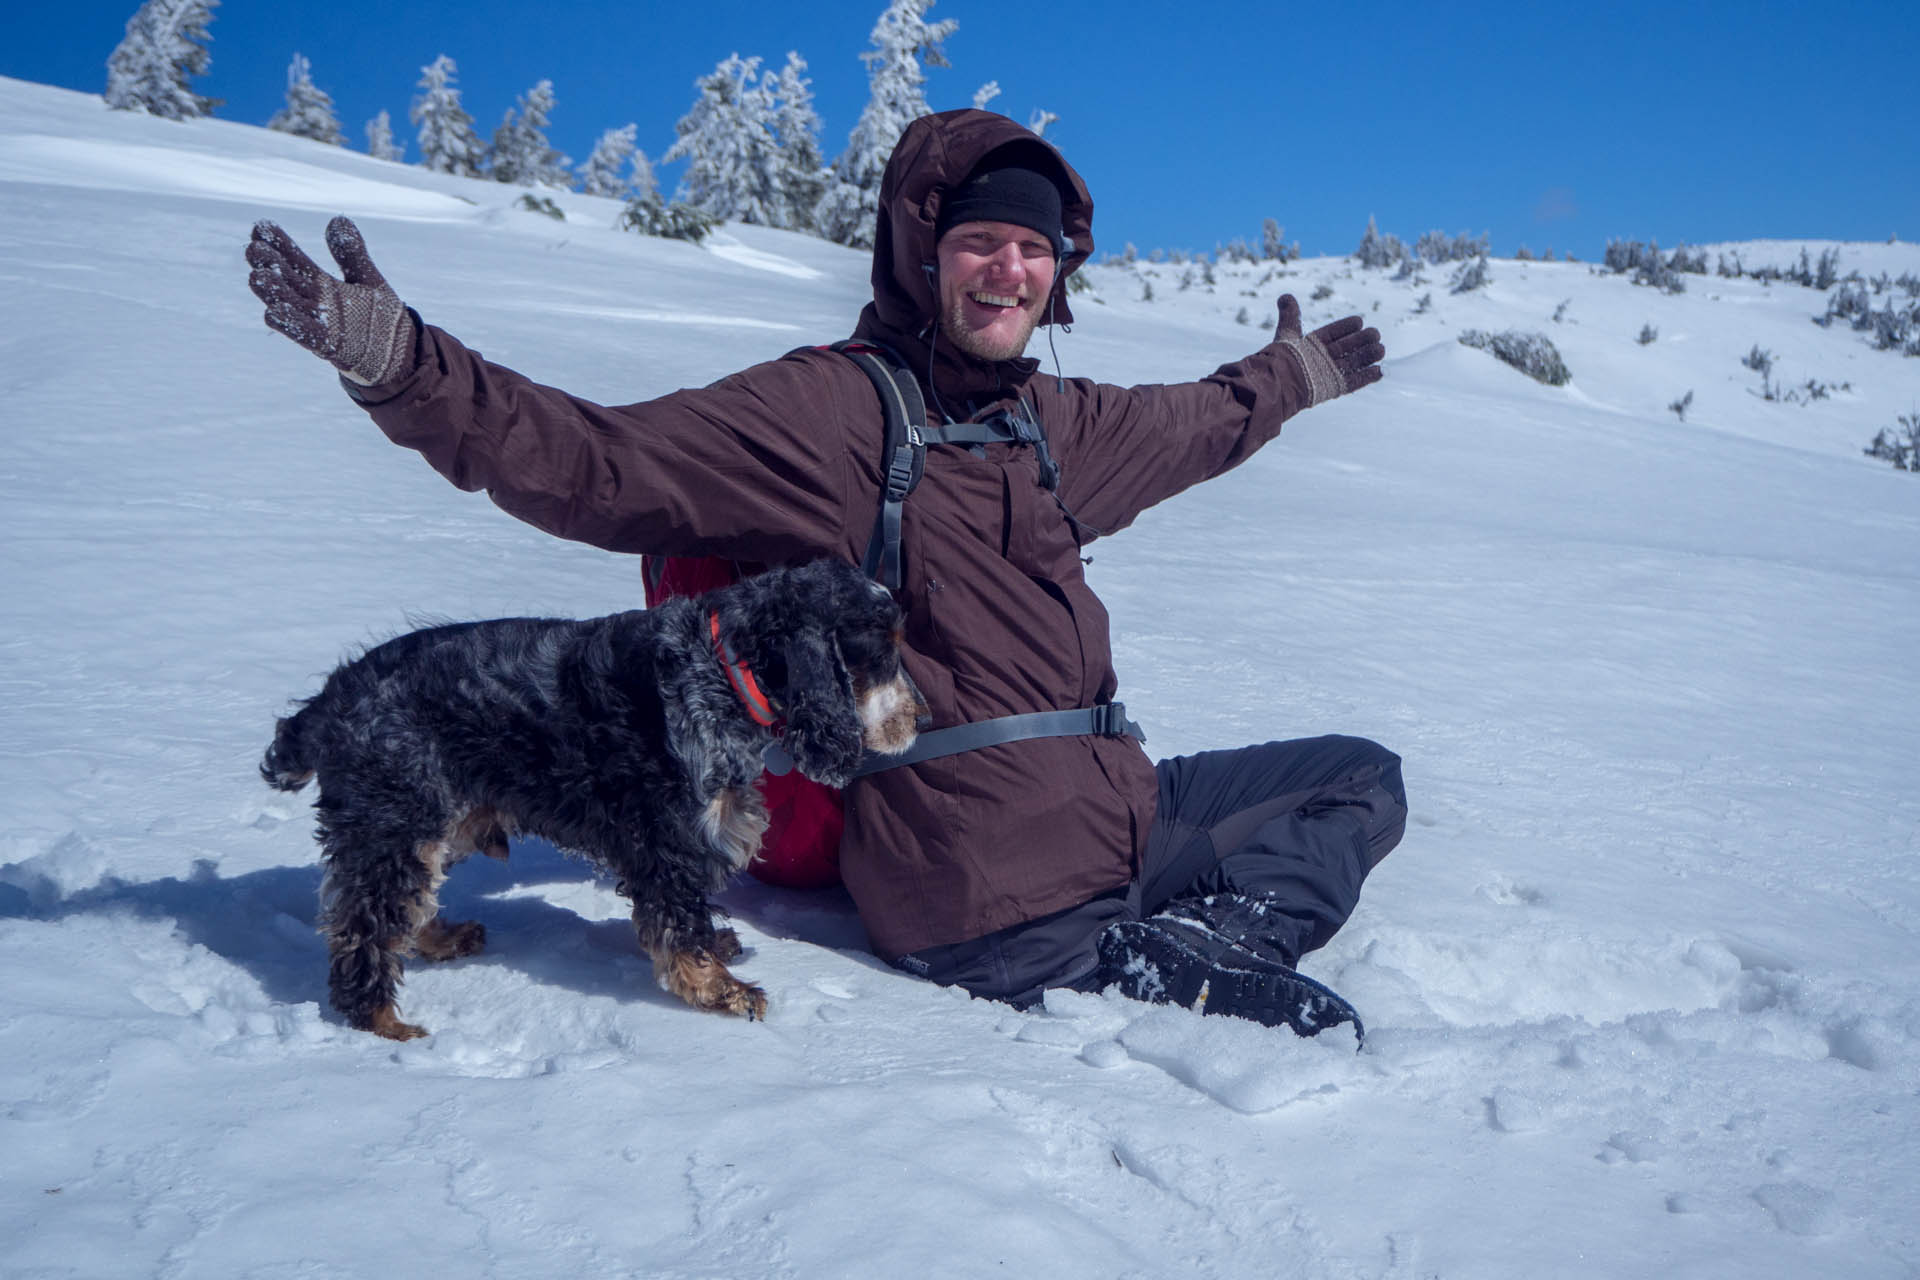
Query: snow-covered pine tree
[[727, 140], [600, 175], [901, 38], [1273, 243], [309, 109], [984, 94], [802, 173], [448, 143], [520, 155], [165, 43], [642, 182], [380, 143], [1377, 250]]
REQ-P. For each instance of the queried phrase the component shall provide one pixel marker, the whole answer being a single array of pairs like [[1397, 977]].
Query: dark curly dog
[[635, 739]]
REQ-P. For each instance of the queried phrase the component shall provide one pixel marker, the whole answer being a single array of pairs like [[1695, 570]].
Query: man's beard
[[982, 346]]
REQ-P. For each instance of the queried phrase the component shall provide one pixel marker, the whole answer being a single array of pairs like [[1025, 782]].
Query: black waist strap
[[1108, 720]]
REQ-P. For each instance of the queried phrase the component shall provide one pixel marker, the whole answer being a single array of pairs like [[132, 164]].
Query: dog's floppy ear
[[823, 725]]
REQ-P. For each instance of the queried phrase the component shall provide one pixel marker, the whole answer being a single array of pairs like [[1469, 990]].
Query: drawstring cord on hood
[[932, 335], [1059, 380], [1060, 387]]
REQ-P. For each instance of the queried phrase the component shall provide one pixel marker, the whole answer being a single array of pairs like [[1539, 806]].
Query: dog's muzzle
[[892, 715]]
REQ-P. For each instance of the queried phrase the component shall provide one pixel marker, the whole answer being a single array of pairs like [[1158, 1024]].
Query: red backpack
[[801, 849]]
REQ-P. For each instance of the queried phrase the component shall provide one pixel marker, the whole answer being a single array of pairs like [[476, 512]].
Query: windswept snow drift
[[1640, 982]]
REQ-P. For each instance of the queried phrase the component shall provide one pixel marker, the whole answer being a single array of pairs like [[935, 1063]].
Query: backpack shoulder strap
[[903, 456], [904, 453]]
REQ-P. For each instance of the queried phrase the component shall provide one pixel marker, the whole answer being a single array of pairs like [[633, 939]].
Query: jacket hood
[[934, 155]]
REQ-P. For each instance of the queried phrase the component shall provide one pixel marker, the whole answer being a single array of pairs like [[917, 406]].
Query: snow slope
[[1641, 981]]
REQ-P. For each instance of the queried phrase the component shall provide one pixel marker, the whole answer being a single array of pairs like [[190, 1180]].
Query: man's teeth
[[994, 299]]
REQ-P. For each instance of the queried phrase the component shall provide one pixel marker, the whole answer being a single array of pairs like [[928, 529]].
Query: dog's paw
[[726, 945], [385, 1022], [700, 978], [441, 939], [748, 1001]]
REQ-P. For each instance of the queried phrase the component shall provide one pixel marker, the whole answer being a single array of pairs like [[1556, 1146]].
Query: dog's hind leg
[[482, 829], [377, 893]]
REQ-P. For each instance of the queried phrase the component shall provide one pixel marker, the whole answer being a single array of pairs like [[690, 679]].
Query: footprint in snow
[[1800, 1209]]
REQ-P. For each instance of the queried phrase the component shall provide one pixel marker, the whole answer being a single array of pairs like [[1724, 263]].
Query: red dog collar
[[742, 679]]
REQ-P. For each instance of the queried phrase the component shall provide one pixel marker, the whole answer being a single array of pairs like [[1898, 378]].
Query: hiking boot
[[1245, 921], [1171, 959]]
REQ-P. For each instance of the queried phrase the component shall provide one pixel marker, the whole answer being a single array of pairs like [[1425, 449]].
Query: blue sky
[[1549, 128]]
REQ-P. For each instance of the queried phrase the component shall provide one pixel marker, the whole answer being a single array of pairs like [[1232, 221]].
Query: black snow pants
[[1299, 824]]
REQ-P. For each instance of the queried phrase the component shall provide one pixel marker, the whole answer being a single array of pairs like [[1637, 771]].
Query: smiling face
[[994, 281]]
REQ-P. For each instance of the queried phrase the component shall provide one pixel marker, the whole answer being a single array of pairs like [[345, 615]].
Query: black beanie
[[1004, 190]]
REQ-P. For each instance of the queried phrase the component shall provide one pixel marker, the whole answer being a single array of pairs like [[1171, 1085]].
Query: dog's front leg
[[689, 957]]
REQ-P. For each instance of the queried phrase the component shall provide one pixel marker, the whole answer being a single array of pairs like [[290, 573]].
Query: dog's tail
[[288, 764]]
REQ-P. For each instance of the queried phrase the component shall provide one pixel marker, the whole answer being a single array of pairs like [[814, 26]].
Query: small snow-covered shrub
[[1899, 445], [1895, 326], [1648, 266], [1809, 391], [652, 216], [1437, 247], [1828, 270], [1821, 275], [1758, 360], [1623, 256], [1850, 302], [541, 204], [1681, 406], [1661, 276], [1648, 334], [1693, 264], [1473, 275], [1531, 353]]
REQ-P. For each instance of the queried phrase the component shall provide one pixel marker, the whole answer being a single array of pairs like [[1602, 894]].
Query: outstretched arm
[[756, 467], [1133, 447]]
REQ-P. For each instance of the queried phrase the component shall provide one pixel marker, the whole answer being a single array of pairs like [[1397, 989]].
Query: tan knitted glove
[[1340, 357], [359, 325]]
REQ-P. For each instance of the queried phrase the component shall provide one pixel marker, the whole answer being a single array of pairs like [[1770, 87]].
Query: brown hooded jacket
[[781, 462]]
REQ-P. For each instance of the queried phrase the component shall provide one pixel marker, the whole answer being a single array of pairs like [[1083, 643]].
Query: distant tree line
[[750, 141]]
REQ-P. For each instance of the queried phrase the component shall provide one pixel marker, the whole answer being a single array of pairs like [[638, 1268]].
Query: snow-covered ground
[[1642, 983]]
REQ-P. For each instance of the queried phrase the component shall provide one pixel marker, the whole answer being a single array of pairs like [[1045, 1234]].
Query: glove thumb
[[350, 251], [1289, 314]]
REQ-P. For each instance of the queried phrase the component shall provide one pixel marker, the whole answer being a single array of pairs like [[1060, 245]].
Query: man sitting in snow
[[1064, 860]]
